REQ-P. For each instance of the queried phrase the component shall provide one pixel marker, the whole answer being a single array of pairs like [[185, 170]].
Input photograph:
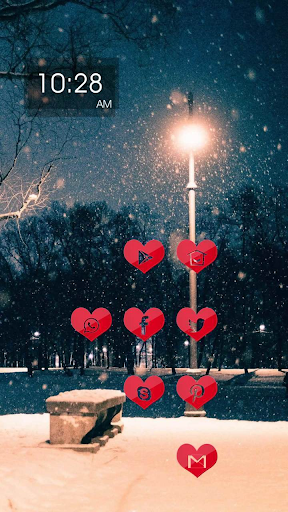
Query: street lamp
[[33, 197], [187, 346], [35, 343], [191, 138]]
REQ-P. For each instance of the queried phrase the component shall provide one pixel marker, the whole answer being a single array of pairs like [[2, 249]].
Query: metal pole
[[192, 274], [192, 236], [190, 411]]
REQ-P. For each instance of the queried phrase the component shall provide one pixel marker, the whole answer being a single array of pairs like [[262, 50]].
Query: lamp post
[[191, 138], [35, 344], [261, 331], [192, 236], [187, 345]]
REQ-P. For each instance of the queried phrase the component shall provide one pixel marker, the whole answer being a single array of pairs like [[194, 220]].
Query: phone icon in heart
[[91, 325]]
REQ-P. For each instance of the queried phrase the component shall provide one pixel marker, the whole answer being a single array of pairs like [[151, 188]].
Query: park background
[[75, 190]]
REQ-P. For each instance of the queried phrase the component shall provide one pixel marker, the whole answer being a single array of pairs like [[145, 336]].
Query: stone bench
[[78, 417]]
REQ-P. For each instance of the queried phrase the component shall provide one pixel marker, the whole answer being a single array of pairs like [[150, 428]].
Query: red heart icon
[[187, 317], [197, 461], [144, 393], [144, 257], [144, 326], [197, 392], [197, 257], [91, 325]]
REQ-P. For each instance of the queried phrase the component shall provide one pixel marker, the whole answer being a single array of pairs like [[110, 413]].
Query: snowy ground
[[138, 471]]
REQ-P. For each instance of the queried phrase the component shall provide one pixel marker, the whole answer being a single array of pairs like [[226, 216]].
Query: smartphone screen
[[143, 256]]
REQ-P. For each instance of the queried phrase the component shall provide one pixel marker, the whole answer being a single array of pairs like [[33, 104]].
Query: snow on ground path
[[138, 471]]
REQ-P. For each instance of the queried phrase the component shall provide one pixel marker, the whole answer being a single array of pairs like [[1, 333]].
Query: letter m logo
[[201, 461]]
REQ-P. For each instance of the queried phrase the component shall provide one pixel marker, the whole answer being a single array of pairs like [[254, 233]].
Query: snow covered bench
[[78, 417]]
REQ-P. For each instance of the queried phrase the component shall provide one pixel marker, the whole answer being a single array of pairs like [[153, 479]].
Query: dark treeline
[[71, 257]]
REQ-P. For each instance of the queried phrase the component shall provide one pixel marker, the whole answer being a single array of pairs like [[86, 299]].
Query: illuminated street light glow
[[191, 137], [36, 334], [186, 343], [33, 197], [262, 328]]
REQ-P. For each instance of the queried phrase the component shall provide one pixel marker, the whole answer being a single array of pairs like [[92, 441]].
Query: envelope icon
[[192, 461]]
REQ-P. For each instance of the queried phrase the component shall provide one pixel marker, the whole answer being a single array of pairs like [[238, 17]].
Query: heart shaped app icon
[[91, 325], [197, 392], [197, 257], [197, 461], [144, 257], [144, 393], [144, 325], [187, 318]]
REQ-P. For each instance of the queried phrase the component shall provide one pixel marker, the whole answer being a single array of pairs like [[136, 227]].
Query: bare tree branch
[[29, 198]]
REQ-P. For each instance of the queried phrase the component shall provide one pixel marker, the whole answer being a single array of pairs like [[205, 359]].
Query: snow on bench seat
[[78, 416]]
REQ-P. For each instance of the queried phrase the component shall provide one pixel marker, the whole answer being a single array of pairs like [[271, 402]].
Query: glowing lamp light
[[186, 343], [36, 334], [33, 197], [262, 328], [191, 137]]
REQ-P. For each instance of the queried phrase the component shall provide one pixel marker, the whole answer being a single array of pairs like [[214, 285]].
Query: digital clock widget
[[82, 82], [88, 92]]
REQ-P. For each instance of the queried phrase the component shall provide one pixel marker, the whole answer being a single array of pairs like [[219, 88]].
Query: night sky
[[233, 56]]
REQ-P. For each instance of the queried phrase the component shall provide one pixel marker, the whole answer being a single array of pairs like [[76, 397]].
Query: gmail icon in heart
[[202, 461], [196, 461]]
